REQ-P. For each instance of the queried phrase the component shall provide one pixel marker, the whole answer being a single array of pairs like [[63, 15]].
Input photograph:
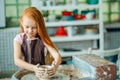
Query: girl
[[33, 47]]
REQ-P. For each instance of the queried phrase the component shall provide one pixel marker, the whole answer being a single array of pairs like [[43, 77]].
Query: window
[[14, 8]]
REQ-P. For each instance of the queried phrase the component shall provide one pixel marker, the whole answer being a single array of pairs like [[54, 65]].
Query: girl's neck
[[32, 38]]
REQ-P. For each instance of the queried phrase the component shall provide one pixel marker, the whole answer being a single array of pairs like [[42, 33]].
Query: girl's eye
[[27, 26], [34, 27]]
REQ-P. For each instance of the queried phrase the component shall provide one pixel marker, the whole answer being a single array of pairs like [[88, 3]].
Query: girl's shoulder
[[19, 37]]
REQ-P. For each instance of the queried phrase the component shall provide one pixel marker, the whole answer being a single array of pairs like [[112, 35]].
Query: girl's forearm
[[58, 60], [22, 64]]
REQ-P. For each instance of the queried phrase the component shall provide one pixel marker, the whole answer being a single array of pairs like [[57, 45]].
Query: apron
[[33, 51]]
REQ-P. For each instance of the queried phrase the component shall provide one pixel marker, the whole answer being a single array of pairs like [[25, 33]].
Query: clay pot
[[66, 13], [45, 75]]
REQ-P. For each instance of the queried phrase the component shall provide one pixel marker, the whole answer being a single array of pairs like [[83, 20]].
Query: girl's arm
[[55, 54], [18, 58]]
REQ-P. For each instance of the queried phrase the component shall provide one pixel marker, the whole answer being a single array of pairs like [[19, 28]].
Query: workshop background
[[9, 17]]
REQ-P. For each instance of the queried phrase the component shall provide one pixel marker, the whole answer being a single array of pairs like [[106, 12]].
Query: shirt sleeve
[[19, 38]]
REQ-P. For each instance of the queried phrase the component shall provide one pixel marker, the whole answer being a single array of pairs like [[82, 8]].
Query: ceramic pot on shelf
[[67, 16], [92, 1], [61, 31]]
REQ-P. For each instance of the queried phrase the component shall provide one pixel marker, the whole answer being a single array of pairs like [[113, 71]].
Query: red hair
[[34, 14]]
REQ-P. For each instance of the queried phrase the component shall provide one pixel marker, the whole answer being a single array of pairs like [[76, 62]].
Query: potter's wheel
[[57, 76], [60, 76]]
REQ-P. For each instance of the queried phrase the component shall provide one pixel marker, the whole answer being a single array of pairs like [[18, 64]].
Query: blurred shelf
[[75, 38], [63, 7], [75, 22], [72, 53], [70, 24]]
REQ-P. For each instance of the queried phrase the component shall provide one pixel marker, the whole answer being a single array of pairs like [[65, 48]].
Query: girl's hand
[[38, 71], [53, 70]]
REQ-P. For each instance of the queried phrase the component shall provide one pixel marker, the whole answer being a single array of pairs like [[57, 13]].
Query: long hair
[[34, 14]]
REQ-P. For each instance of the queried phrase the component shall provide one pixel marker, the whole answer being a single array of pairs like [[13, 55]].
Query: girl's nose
[[30, 30]]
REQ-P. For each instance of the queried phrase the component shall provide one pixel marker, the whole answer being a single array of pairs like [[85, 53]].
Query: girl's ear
[[21, 27]]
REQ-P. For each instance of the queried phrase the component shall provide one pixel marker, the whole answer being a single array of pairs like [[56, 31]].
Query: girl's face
[[29, 27]]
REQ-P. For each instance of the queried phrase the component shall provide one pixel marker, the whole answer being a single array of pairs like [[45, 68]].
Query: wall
[[7, 66]]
